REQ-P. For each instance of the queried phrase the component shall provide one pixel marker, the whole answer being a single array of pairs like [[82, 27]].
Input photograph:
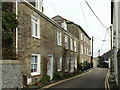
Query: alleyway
[[94, 79]]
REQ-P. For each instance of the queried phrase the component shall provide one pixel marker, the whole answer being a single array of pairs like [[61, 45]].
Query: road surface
[[93, 79]]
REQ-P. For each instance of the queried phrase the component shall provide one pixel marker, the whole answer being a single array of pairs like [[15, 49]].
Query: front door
[[72, 65], [50, 66]]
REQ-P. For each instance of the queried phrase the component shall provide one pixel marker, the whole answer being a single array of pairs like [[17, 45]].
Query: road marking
[[48, 86], [107, 86]]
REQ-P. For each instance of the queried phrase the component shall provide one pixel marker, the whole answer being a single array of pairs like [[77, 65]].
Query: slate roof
[[60, 18]]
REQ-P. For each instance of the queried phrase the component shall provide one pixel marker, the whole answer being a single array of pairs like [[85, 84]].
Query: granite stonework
[[11, 73], [46, 46], [76, 30]]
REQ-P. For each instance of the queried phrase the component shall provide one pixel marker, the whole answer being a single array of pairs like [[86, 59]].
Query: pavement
[[94, 79], [112, 82]]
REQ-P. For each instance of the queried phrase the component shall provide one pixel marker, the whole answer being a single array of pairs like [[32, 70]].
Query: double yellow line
[[107, 86]]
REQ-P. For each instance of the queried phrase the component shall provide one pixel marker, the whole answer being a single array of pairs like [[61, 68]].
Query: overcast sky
[[72, 10]]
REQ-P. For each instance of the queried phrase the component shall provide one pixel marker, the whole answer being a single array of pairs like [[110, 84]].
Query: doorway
[[50, 66]]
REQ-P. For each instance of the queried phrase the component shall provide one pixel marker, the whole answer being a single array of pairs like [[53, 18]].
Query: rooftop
[[60, 18]]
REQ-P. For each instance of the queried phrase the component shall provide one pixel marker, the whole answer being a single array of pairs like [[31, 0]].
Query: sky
[[78, 12]]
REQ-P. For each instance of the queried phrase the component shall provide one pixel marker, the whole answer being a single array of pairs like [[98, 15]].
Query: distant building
[[104, 60], [76, 30], [95, 62]]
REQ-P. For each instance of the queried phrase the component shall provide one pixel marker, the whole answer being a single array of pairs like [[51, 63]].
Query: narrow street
[[94, 79]]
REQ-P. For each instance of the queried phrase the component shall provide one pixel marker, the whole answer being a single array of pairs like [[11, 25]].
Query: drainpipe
[[16, 2]]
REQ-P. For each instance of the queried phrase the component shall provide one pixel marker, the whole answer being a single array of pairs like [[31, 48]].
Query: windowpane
[[32, 68], [35, 27], [35, 59], [35, 67], [66, 41], [35, 64], [32, 59], [59, 36], [36, 33], [71, 44]]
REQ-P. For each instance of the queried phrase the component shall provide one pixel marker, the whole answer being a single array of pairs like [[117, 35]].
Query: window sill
[[59, 70], [37, 37], [59, 45], [71, 50], [35, 74]]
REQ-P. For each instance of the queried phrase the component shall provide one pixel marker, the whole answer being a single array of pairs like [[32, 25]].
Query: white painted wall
[[116, 28]]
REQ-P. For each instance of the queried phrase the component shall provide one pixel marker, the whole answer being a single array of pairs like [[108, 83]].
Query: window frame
[[38, 65], [38, 4], [35, 33], [59, 38], [81, 36], [75, 45], [64, 25], [71, 44], [66, 42], [84, 39], [81, 49]]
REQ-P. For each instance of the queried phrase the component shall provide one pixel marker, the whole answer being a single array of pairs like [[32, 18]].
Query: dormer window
[[37, 3], [64, 25]]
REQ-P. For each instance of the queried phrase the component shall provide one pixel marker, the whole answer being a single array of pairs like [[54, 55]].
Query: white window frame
[[81, 36], [64, 25], [85, 50], [81, 49], [66, 42], [84, 39], [38, 4], [38, 65], [35, 33], [71, 44], [59, 63], [75, 46], [82, 61], [59, 38]]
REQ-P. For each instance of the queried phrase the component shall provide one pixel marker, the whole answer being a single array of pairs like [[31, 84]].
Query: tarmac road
[[93, 79]]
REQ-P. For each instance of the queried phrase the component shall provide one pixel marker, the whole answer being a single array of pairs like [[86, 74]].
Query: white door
[[50, 66], [72, 65]]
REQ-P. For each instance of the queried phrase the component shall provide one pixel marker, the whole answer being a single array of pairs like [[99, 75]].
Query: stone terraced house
[[43, 45], [76, 30]]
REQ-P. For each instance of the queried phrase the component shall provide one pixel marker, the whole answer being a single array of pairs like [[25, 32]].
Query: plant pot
[[39, 83]]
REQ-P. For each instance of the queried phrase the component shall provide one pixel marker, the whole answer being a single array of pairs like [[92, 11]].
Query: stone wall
[[118, 66], [76, 31], [11, 73], [45, 45]]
